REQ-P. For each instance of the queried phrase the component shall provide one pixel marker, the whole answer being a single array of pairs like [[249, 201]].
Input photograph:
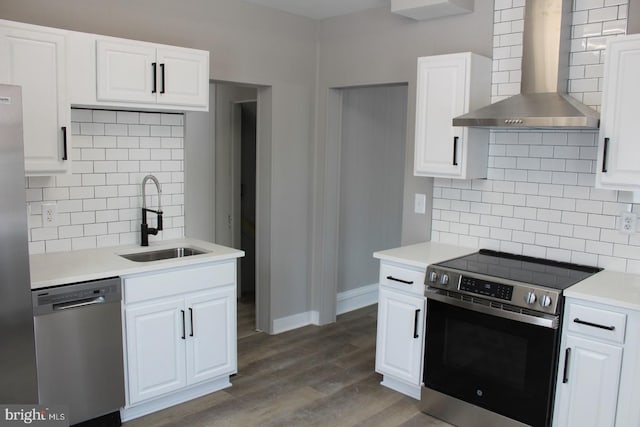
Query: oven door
[[499, 364]]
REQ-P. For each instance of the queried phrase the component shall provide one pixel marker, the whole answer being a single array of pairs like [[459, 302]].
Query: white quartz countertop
[[609, 287], [606, 287], [92, 264], [423, 254]]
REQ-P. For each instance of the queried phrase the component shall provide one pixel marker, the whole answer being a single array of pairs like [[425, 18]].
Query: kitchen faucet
[[145, 230]]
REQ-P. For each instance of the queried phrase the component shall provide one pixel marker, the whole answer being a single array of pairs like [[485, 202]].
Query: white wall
[[540, 198]]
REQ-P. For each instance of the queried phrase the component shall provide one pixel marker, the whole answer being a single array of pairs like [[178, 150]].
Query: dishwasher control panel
[[76, 295]]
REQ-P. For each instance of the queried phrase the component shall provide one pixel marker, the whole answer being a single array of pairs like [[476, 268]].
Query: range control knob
[[433, 276], [545, 301], [530, 298], [444, 279]]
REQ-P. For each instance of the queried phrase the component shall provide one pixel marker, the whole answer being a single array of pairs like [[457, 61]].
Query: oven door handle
[[547, 322]]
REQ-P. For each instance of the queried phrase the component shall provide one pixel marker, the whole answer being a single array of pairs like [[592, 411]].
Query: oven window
[[498, 364], [486, 352]]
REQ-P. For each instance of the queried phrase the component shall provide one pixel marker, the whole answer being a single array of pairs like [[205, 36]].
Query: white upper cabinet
[[34, 58], [126, 72], [618, 148], [113, 72], [449, 86]]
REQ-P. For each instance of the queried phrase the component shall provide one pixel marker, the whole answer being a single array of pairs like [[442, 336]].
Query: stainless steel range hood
[[543, 102]]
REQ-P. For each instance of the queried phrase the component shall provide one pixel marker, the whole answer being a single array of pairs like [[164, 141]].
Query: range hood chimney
[[543, 102]]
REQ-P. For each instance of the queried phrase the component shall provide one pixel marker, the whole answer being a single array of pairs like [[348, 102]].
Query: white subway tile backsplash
[[99, 203], [539, 197]]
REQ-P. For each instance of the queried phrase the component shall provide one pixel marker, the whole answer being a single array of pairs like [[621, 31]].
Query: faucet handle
[[159, 221]]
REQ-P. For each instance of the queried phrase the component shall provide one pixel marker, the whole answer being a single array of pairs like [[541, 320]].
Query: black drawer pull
[[162, 78], [595, 325], [155, 82], [604, 155], [455, 151], [565, 374], [64, 143], [407, 282], [184, 327], [191, 316], [415, 323]]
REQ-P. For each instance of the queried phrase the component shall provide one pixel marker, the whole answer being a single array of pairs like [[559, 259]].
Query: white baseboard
[[131, 412], [346, 301], [295, 321], [357, 298]]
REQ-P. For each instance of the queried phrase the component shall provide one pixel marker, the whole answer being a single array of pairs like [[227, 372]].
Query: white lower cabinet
[[180, 335], [598, 380], [155, 350], [400, 331], [589, 390]]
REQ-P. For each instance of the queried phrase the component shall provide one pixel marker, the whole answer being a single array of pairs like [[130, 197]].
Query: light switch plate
[[420, 203]]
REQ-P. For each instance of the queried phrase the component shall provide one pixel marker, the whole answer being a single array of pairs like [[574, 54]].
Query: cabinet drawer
[[402, 277], [143, 287], [594, 322]]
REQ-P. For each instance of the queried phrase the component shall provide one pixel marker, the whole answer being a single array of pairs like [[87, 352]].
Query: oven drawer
[[402, 277], [594, 322]]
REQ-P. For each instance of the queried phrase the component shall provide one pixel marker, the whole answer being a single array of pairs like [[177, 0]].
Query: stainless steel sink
[[160, 254]]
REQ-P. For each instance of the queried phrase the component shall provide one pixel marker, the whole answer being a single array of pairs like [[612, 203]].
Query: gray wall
[[368, 48], [297, 60], [199, 157], [371, 180], [248, 44]]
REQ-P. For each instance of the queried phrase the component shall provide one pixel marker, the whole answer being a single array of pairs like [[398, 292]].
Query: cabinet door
[[183, 77], [400, 335], [211, 341], [126, 72], [618, 152], [440, 97], [587, 391], [155, 348], [35, 60]]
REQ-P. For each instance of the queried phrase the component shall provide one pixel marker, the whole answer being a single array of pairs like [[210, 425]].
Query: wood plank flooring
[[312, 376]]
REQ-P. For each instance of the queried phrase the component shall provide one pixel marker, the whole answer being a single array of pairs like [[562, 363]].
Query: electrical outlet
[[628, 222], [49, 212]]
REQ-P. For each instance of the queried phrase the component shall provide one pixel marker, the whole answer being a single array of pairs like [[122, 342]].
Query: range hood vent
[[543, 102]]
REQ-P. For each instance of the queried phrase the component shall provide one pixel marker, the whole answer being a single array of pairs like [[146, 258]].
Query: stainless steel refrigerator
[[18, 379]]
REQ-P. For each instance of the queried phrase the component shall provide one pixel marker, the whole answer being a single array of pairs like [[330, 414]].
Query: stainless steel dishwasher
[[78, 330]]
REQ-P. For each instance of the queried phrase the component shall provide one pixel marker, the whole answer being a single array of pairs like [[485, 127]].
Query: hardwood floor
[[312, 376], [246, 317]]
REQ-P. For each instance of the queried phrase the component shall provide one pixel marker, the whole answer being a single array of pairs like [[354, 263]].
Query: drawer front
[[143, 287], [595, 322], [402, 277]]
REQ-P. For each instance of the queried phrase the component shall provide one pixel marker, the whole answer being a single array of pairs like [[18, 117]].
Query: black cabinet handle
[[455, 151], [400, 280], [162, 77], [565, 374], [604, 155], [594, 325], [155, 83], [64, 143], [191, 316], [415, 323], [184, 327]]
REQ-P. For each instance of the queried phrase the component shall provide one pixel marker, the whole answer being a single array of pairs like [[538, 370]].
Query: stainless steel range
[[492, 336]]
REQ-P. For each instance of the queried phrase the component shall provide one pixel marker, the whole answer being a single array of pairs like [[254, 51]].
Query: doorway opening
[[360, 201], [236, 189]]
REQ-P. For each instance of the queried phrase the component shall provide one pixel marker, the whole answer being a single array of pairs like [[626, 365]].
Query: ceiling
[[320, 9]]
